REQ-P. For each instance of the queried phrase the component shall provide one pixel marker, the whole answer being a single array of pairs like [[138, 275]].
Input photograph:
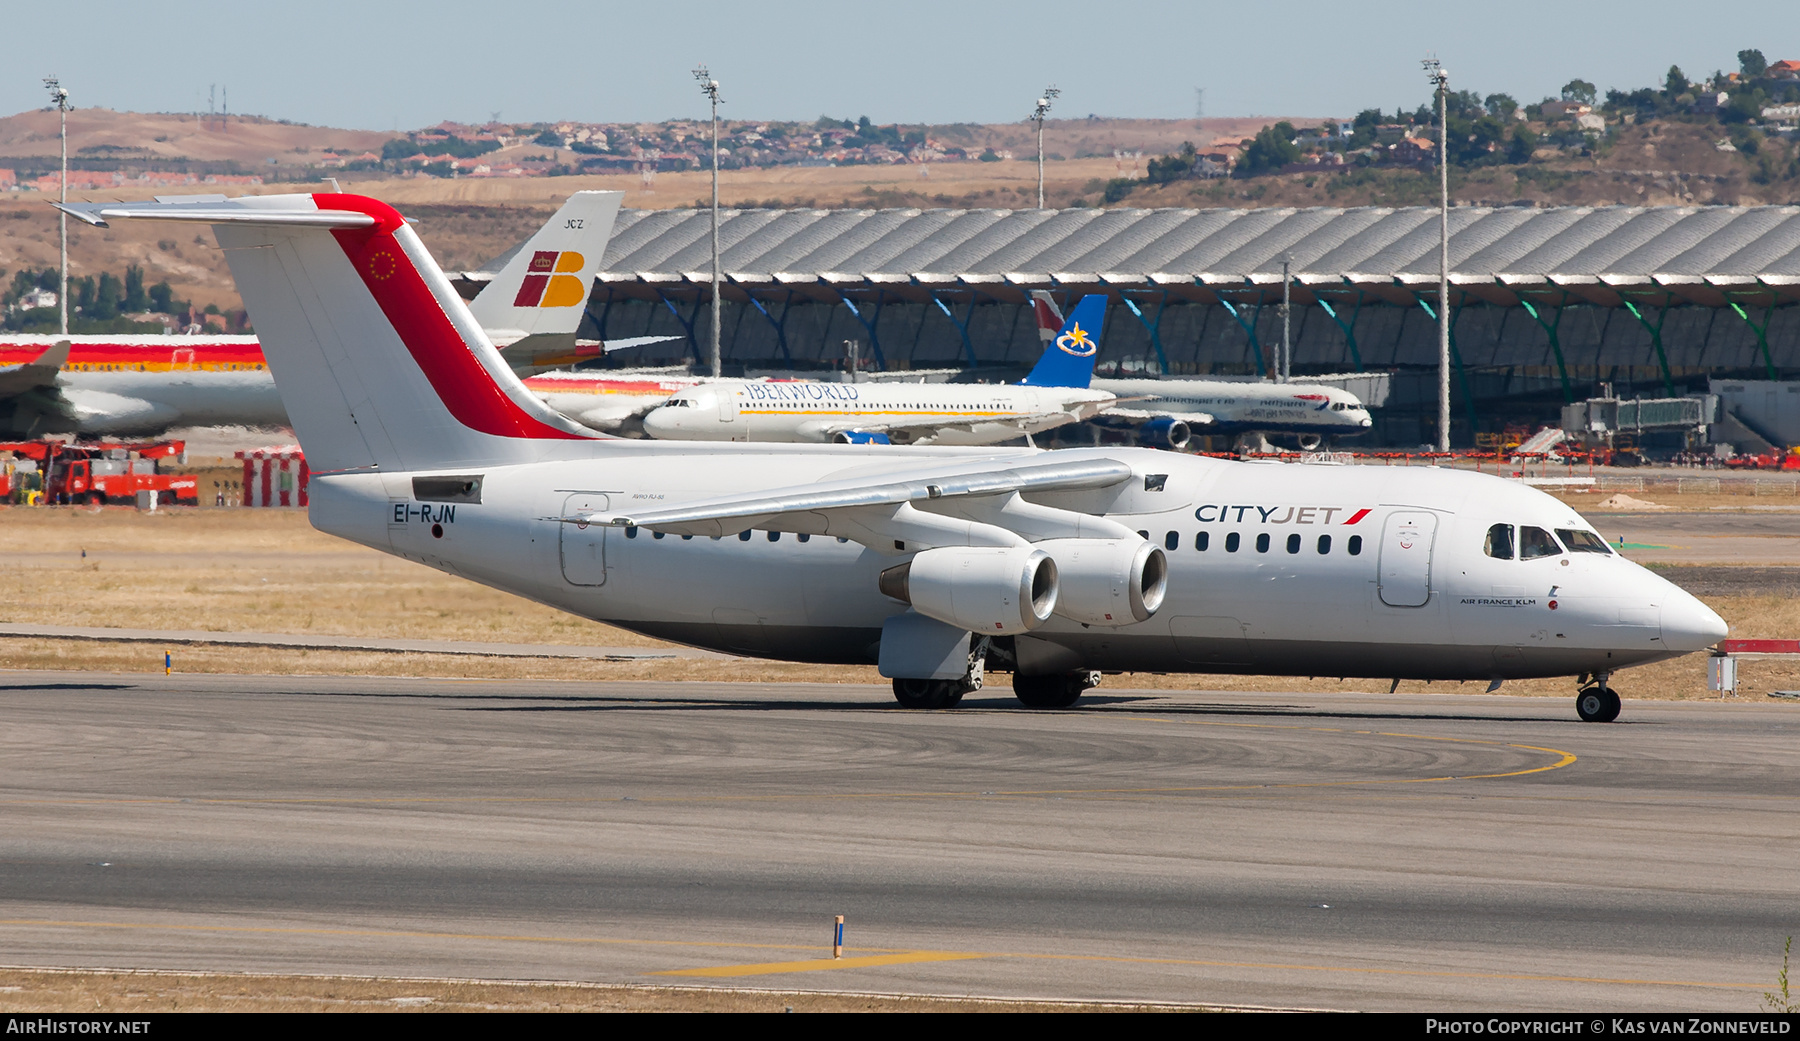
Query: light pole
[[1440, 81], [1284, 365], [1038, 113], [59, 96], [710, 87]]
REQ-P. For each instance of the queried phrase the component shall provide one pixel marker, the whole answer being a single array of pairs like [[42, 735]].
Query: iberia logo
[[549, 284], [381, 266], [1076, 342]]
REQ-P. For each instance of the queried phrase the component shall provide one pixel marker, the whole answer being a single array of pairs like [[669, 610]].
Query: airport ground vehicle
[[934, 562], [61, 473]]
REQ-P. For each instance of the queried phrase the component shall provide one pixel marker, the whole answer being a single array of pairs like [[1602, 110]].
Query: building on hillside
[[1783, 70], [1566, 109]]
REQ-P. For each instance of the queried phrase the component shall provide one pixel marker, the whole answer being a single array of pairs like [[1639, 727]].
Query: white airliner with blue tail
[[936, 563], [1055, 393]]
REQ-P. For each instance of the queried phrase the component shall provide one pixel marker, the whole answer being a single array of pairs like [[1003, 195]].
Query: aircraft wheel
[[1597, 704], [927, 693], [1049, 691]]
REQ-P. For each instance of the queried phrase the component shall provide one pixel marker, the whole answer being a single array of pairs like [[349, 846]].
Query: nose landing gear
[[1597, 702]]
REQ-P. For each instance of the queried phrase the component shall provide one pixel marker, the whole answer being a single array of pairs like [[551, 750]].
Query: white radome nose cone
[[660, 421], [1689, 625]]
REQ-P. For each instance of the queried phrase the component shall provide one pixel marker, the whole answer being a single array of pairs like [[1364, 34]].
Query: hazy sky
[[378, 65]]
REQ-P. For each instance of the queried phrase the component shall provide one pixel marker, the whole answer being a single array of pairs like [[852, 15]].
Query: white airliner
[[934, 562], [1175, 409], [1055, 393], [140, 385]]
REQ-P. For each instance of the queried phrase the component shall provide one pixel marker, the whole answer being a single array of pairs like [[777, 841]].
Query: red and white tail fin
[[378, 360], [1049, 316]]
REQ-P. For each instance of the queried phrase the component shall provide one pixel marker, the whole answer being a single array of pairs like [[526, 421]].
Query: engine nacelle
[[1164, 432], [858, 437], [983, 590], [1108, 581]]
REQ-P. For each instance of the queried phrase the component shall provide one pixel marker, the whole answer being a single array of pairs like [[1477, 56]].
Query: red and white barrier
[[275, 476]]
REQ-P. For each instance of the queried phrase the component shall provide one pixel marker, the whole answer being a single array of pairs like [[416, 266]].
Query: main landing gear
[[911, 693], [1597, 702], [1054, 691]]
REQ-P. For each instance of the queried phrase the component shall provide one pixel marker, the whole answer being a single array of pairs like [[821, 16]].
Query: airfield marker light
[[837, 939], [168, 663], [710, 87]]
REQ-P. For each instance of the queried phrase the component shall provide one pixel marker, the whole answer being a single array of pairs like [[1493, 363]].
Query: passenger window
[[1144, 535], [1294, 543], [631, 532], [803, 538], [1172, 540], [1499, 542], [1201, 539], [658, 534], [1583, 541], [1262, 542], [744, 536], [1231, 542], [1535, 543], [1354, 545], [774, 536], [1324, 544], [690, 538]]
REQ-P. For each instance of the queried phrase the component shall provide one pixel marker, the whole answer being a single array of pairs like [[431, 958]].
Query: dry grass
[[269, 571], [39, 991]]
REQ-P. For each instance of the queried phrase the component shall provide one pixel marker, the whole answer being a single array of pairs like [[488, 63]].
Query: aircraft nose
[[1689, 625], [658, 422], [1367, 422]]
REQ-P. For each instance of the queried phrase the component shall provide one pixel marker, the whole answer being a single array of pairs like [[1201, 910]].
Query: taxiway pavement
[[1299, 850]]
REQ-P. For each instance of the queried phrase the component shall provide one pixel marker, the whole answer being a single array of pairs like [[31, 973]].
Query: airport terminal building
[[1546, 304]]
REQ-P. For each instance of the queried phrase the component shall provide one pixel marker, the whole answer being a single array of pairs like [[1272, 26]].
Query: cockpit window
[[1535, 543], [1580, 541], [1499, 543]]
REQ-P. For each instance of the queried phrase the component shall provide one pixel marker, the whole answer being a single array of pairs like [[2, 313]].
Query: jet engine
[[1108, 581], [1164, 432], [858, 437], [983, 590]]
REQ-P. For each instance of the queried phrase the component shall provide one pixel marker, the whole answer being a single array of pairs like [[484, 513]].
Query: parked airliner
[[1055, 393], [1174, 409], [936, 562], [142, 385]]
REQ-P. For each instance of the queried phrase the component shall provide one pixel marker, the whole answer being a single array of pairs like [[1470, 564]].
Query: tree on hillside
[[1752, 64], [1170, 168], [135, 297], [1675, 83], [1502, 105], [1580, 90], [1271, 149]]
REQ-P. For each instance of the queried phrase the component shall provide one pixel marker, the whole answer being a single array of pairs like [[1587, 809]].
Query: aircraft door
[[1406, 544], [728, 407], [583, 546]]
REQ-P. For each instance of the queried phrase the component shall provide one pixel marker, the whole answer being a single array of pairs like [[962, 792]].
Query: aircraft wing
[[1193, 419], [808, 507], [540, 353], [36, 374], [923, 431]]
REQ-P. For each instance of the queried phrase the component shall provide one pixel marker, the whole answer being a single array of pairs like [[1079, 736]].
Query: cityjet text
[[1278, 514]]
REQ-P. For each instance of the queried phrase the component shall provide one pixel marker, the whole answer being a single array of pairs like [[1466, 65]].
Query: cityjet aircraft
[[145, 385], [1173, 410], [1055, 393], [936, 563]]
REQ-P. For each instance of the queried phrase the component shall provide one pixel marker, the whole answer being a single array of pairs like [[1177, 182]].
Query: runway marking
[[413, 934], [776, 967], [885, 957], [1565, 759]]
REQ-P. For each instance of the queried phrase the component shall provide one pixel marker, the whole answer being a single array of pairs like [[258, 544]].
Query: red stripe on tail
[[464, 386]]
